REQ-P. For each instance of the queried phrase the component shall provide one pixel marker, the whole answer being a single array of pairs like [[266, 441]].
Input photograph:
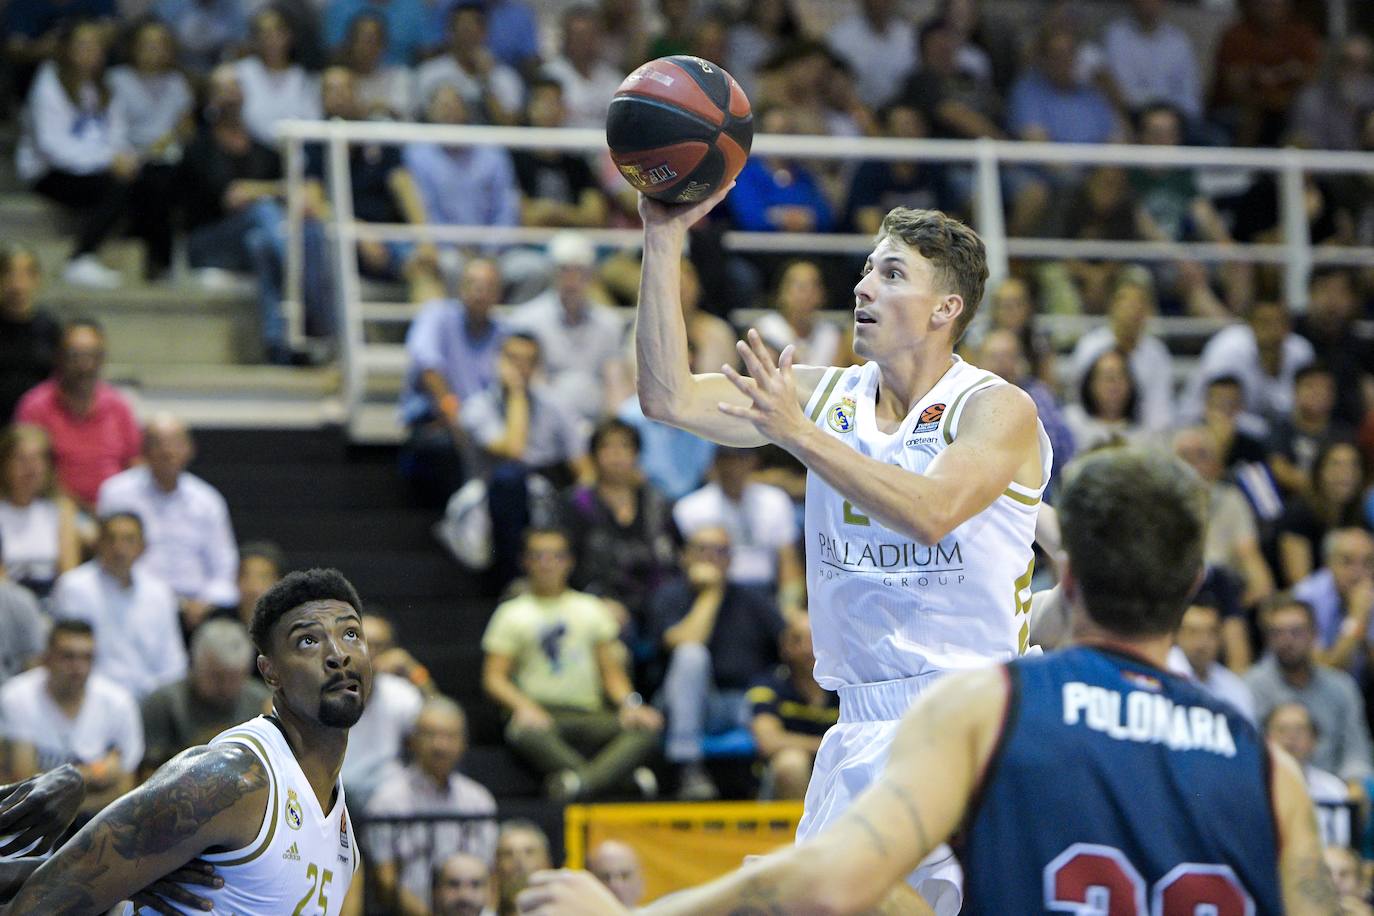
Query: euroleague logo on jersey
[[927, 422]]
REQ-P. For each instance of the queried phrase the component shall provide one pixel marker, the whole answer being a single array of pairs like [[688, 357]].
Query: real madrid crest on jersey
[[841, 417], [294, 818]]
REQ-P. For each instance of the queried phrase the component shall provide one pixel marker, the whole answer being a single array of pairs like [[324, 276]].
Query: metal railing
[[1296, 253]]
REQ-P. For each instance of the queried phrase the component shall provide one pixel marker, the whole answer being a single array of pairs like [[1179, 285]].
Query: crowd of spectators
[[650, 604]]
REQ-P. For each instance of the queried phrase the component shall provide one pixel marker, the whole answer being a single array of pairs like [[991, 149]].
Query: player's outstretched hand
[[40, 809], [772, 389], [568, 893], [167, 895], [657, 215]]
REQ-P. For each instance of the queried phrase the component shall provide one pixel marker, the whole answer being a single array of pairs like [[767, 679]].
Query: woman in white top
[[153, 96], [74, 148], [1108, 408], [385, 91], [801, 292], [154, 100], [38, 532], [275, 88]]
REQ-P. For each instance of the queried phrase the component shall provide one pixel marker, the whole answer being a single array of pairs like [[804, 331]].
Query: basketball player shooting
[[925, 477], [262, 802], [1086, 781]]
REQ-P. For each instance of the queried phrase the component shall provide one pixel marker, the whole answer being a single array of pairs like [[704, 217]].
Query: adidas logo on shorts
[[293, 854]]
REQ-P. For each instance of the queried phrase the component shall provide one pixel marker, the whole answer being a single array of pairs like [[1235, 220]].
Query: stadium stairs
[[327, 502]]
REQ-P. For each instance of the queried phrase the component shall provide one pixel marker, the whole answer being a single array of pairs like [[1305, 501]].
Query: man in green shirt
[[553, 661]]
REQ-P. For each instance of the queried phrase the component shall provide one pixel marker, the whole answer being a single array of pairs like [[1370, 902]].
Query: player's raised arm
[[207, 797], [1306, 883], [668, 390]]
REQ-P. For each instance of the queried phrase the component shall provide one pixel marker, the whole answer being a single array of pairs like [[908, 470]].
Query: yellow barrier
[[682, 844]]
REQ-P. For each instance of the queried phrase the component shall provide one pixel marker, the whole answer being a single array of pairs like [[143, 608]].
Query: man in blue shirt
[[1049, 104], [452, 347]]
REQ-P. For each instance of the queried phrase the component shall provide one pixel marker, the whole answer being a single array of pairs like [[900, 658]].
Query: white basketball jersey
[[884, 606], [302, 861]]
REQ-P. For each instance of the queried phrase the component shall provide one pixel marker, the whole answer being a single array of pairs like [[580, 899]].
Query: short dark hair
[[1232, 381], [1282, 601], [295, 589], [1133, 525], [1085, 386], [535, 531], [69, 627], [1314, 368], [111, 517], [1156, 107], [263, 550], [611, 426]]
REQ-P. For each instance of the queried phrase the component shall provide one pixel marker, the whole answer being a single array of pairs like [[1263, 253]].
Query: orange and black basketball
[[679, 127]]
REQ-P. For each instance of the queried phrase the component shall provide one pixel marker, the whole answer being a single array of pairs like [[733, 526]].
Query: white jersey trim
[[267, 830]]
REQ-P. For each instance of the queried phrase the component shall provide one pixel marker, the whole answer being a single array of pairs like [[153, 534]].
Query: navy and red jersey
[[1120, 789]]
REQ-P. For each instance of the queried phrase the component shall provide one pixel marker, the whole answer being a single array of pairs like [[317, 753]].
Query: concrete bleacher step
[[388, 528], [32, 216], [284, 489], [157, 324]]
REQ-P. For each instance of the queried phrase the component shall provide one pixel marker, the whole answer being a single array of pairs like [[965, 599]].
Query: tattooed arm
[[1307, 886], [203, 799], [858, 864]]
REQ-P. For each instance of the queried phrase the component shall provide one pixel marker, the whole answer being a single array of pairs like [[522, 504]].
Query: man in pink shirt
[[93, 431]]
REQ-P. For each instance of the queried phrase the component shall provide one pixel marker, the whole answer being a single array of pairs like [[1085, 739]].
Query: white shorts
[[851, 758]]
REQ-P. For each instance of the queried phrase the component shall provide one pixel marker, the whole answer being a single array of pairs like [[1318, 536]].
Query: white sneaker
[[88, 271]]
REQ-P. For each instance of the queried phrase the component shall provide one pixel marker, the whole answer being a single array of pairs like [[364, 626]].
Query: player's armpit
[[204, 798], [1306, 883]]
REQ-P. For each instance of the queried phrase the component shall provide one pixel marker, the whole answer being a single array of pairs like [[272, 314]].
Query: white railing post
[[1297, 234], [992, 225], [291, 303], [348, 296]]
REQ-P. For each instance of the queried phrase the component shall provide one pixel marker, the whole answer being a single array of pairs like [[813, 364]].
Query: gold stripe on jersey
[[1021, 498], [953, 413], [1023, 607], [275, 798], [825, 395]]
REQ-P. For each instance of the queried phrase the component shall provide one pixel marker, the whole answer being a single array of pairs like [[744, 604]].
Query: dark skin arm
[[40, 807], [206, 798]]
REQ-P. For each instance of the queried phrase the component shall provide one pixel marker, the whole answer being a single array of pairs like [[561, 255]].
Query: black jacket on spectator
[[369, 168], [562, 178], [744, 643], [27, 349], [207, 170], [622, 562]]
